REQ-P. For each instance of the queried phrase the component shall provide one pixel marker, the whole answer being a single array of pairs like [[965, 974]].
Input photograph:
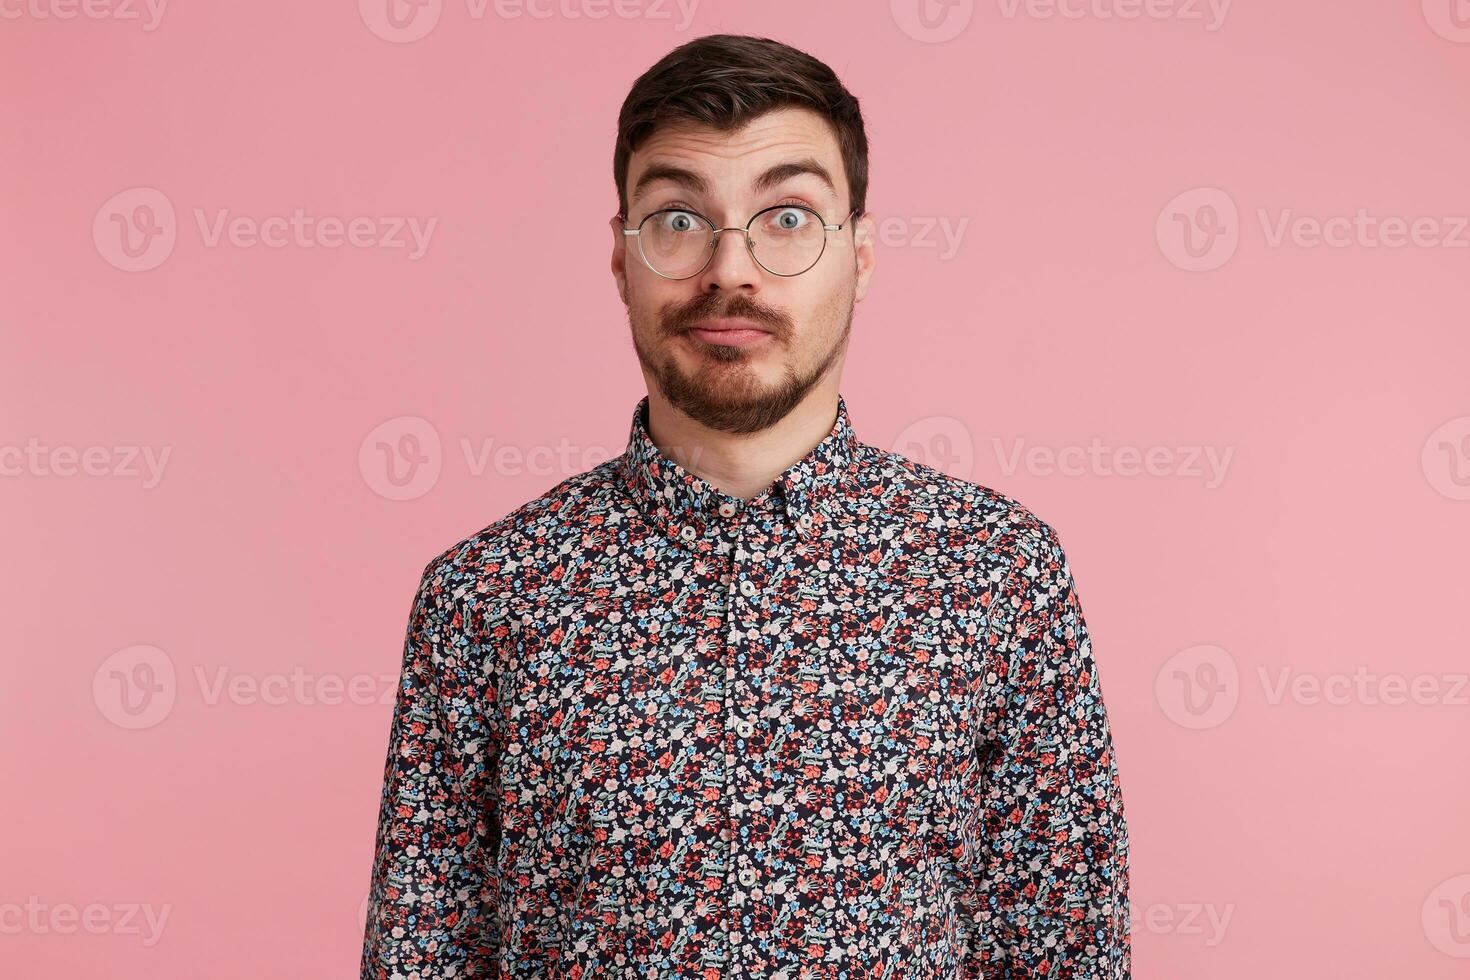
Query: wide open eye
[[788, 221], [678, 222]]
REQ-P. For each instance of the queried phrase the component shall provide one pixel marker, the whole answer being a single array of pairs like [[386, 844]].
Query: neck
[[741, 464]]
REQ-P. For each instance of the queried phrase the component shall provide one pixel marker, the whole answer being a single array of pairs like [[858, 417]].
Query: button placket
[[735, 727], [744, 726], [746, 716]]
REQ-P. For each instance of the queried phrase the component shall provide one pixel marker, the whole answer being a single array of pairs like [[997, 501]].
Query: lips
[[729, 332], [728, 324]]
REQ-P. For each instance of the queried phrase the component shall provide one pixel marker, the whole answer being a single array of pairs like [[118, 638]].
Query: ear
[[864, 231], [619, 257]]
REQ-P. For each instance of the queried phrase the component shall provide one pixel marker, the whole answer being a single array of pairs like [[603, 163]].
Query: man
[[754, 699]]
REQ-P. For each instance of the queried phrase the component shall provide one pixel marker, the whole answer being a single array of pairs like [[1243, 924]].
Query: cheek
[[647, 294], [819, 312]]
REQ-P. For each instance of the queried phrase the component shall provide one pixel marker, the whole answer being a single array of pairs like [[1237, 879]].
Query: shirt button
[[747, 876], [747, 587], [688, 533], [727, 509], [804, 522], [745, 728]]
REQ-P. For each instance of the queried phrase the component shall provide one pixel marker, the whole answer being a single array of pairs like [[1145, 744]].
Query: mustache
[[711, 306]]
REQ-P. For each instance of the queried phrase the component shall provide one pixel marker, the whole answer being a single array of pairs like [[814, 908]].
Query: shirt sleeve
[[431, 904], [1045, 821]]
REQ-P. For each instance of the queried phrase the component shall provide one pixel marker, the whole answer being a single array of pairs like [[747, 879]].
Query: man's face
[[736, 347]]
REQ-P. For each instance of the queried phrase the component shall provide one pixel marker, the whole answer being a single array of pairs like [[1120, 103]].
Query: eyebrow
[[695, 182]]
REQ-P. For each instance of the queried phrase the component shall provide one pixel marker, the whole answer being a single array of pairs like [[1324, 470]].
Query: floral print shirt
[[849, 728]]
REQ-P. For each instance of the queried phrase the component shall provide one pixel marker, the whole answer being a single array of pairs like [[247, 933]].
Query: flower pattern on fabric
[[849, 728]]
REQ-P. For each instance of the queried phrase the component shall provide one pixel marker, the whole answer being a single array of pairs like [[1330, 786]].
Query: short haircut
[[724, 81]]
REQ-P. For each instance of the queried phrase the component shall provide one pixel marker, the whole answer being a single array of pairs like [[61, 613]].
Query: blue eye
[[789, 220], [679, 221]]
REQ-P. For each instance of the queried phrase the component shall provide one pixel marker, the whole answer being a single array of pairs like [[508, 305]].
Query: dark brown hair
[[724, 81]]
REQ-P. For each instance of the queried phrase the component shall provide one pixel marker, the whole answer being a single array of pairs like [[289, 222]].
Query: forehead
[[730, 163]]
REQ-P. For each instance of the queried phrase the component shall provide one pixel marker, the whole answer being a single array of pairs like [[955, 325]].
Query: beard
[[720, 394]]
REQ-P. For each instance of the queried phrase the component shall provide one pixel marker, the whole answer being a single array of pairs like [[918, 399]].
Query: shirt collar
[[686, 506]]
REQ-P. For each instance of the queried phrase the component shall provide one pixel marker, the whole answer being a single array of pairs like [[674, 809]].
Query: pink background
[[1316, 829]]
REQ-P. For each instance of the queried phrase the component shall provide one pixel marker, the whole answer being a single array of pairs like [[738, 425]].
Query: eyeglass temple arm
[[844, 221]]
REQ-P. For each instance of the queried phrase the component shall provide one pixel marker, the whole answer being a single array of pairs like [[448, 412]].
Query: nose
[[732, 266]]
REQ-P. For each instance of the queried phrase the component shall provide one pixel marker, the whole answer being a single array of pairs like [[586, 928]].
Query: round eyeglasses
[[784, 239]]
